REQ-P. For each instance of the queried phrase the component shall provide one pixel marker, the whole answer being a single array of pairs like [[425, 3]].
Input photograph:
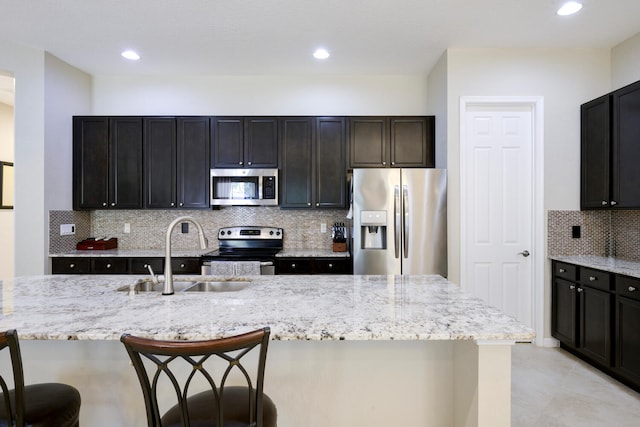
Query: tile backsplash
[[603, 233], [148, 227]]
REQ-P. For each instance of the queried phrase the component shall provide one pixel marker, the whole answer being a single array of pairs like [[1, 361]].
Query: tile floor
[[552, 388]]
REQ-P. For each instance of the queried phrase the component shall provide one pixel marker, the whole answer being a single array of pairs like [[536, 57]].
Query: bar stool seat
[[35, 405], [180, 364]]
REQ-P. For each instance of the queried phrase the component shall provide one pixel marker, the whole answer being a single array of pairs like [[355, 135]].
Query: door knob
[[524, 253]]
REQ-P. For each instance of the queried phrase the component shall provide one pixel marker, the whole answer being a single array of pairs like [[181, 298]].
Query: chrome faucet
[[168, 275]]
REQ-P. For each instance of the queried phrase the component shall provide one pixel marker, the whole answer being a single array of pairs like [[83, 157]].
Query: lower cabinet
[[596, 315], [122, 265], [299, 265]]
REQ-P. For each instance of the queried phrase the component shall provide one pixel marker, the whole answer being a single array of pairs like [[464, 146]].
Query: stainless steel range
[[250, 243]]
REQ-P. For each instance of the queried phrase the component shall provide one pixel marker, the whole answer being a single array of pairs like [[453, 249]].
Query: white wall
[[34, 161], [6, 215], [565, 78], [437, 91], [261, 95], [27, 66], [625, 62]]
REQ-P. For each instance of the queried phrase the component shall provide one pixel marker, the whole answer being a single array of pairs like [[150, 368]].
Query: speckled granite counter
[[133, 253], [612, 265], [88, 307], [311, 253]]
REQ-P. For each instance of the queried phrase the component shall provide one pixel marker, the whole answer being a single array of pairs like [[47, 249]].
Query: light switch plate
[[323, 227], [67, 229], [127, 228]]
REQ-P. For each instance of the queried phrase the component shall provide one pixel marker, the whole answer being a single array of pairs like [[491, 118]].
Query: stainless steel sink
[[191, 285]]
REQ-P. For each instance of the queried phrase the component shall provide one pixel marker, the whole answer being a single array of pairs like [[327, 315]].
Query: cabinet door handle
[[604, 203], [613, 203], [631, 288], [384, 163], [393, 163], [592, 279], [181, 204], [240, 163], [317, 204], [309, 204], [562, 270], [580, 289], [249, 163], [172, 204], [104, 204], [572, 287], [113, 203]]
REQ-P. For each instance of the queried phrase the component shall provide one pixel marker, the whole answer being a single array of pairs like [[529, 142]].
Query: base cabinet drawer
[[110, 266], [140, 265], [299, 265], [66, 265], [185, 265]]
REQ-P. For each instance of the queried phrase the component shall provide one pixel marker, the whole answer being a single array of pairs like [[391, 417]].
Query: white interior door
[[497, 199]]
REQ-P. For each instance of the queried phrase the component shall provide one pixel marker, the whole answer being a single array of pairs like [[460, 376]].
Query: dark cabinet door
[[626, 147], [90, 162], [368, 142], [125, 162], [330, 159], [412, 142], [238, 142], [227, 142], [595, 134], [107, 162], [628, 339], [160, 158], [261, 142], [297, 167], [595, 324], [564, 311], [193, 162]]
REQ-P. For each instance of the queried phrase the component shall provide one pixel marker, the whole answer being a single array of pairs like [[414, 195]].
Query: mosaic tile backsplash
[[603, 233], [149, 227]]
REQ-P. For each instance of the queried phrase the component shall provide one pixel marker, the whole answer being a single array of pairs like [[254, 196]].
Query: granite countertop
[[151, 253], [340, 307], [311, 253], [612, 265]]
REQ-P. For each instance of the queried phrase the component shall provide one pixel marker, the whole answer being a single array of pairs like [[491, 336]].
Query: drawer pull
[[72, 265], [592, 279], [632, 288], [562, 270], [181, 265], [572, 287], [108, 265], [293, 265], [330, 265]]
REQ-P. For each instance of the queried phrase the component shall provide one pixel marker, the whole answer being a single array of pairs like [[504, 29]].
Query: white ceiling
[[278, 36]]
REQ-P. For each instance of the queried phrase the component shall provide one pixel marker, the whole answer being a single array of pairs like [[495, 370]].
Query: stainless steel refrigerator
[[400, 221]]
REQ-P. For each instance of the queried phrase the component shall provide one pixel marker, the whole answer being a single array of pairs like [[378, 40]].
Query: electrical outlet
[[67, 229], [127, 228], [185, 227], [323, 227], [575, 231]]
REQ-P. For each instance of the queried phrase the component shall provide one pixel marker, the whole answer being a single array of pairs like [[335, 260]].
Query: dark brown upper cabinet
[[610, 150], [107, 162], [313, 162], [176, 162], [238, 142], [382, 142]]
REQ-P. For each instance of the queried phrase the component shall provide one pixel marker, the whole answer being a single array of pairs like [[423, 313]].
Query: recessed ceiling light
[[130, 54], [321, 54], [569, 8]]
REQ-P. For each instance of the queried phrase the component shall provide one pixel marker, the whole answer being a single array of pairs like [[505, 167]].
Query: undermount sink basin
[[195, 285]]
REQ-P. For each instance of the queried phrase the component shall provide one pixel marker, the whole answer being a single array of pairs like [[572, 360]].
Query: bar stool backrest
[[15, 412], [191, 367]]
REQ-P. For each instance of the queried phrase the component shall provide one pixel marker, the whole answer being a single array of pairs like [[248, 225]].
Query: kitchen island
[[345, 350]]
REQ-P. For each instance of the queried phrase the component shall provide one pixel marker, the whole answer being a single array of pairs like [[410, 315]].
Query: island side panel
[[314, 383], [482, 383]]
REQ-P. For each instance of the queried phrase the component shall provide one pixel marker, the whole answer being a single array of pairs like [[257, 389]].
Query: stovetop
[[251, 243]]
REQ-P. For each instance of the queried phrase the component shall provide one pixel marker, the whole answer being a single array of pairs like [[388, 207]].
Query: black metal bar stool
[[215, 366], [36, 405]]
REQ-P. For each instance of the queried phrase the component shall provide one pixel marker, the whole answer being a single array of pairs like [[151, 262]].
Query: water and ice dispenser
[[373, 229]]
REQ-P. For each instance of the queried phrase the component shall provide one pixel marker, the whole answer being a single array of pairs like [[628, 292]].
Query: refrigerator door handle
[[405, 224], [396, 214]]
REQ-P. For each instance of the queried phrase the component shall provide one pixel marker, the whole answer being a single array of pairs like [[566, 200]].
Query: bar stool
[[36, 405], [190, 366]]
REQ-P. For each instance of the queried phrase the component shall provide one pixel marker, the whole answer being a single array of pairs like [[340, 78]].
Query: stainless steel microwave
[[244, 187]]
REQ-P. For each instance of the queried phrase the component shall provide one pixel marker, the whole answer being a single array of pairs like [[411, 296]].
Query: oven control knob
[[277, 233], [271, 232]]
